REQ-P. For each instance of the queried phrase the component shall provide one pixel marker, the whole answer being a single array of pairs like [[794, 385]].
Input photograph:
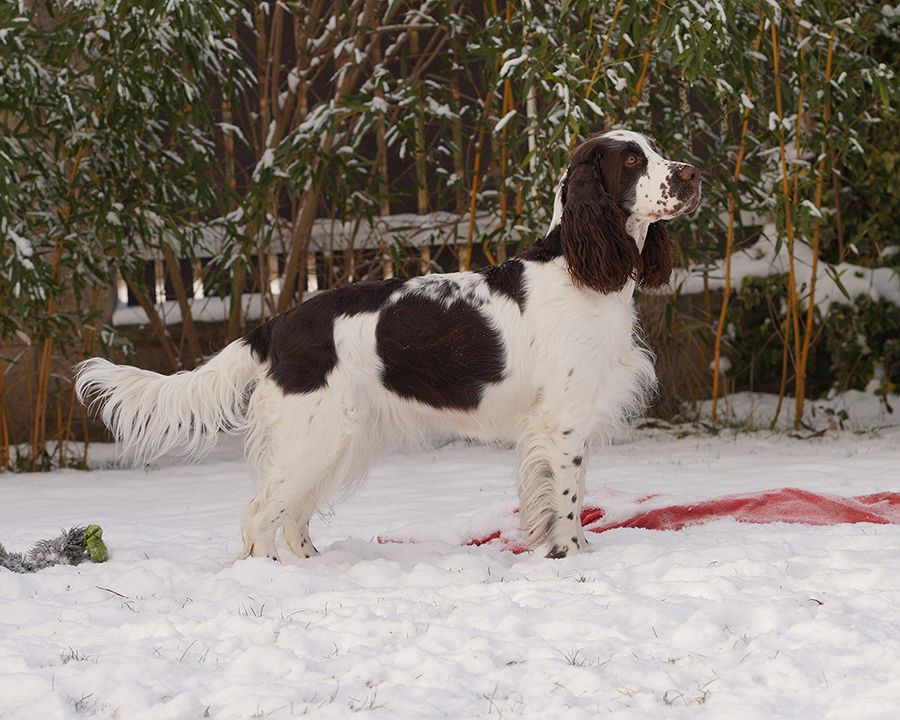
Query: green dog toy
[[94, 545], [70, 548]]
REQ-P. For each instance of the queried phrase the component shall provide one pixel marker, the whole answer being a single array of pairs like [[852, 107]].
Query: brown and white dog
[[540, 350]]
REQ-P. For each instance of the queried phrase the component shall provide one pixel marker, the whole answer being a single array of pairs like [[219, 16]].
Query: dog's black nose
[[689, 173]]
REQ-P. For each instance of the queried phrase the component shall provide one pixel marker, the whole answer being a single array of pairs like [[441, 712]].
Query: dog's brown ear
[[599, 253], [656, 257]]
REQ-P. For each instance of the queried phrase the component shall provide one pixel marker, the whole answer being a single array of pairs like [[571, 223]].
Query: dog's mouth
[[687, 206], [693, 203], [682, 208]]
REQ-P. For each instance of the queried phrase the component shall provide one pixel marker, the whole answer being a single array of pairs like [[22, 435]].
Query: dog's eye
[[631, 160]]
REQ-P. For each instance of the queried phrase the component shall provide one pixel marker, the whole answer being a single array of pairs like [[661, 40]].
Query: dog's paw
[[557, 552], [561, 550], [254, 551]]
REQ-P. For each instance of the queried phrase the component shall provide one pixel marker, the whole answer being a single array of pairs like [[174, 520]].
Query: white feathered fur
[[151, 414]]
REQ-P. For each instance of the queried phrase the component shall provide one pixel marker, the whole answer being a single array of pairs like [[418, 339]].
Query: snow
[[265, 162], [441, 110], [509, 65], [593, 106], [327, 236], [619, 83], [203, 309], [767, 257], [24, 249], [854, 410], [723, 620], [501, 123]]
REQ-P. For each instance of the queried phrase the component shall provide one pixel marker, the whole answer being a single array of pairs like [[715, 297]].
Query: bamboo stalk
[[601, 61], [228, 145], [504, 196], [28, 370], [187, 319], [274, 62], [59, 423], [235, 313], [302, 33], [729, 246], [156, 323], [87, 343], [39, 431], [419, 132], [645, 59], [798, 131], [793, 324], [300, 235], [231, 183], [4, 422], [456, 133], [838, 214], [421, 168], [456, 129], [782, 387], [816, 245], [707, 298], [465, 262], [264, 61], [506, 106], [273, 138], [260, 281], [381, 167]]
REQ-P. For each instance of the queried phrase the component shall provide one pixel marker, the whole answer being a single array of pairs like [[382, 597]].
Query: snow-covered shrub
[[863, 343], [106, 150], [859, 347]]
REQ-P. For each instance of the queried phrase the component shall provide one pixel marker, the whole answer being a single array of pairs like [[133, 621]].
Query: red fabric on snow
[[786, 505]]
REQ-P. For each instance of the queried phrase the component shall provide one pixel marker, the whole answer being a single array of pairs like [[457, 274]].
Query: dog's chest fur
[[587, 356]]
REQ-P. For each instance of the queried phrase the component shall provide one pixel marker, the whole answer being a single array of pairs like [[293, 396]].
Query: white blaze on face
[[655, 196]]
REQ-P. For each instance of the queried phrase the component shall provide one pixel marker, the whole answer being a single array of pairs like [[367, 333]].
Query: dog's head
[[617, 182]]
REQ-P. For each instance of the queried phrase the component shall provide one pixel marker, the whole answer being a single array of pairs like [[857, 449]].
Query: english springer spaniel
[[540, 350]]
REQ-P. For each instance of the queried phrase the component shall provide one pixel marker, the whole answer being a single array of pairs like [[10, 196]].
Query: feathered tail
[[152, 414]]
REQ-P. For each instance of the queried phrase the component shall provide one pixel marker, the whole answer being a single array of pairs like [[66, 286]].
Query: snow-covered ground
[[724, 620]]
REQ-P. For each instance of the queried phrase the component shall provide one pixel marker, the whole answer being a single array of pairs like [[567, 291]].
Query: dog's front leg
[[552, 469]]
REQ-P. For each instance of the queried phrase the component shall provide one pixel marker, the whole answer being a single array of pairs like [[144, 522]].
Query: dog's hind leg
[[275, 506], [309, 449], [348, 455], [259, 524], [296, 535]]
